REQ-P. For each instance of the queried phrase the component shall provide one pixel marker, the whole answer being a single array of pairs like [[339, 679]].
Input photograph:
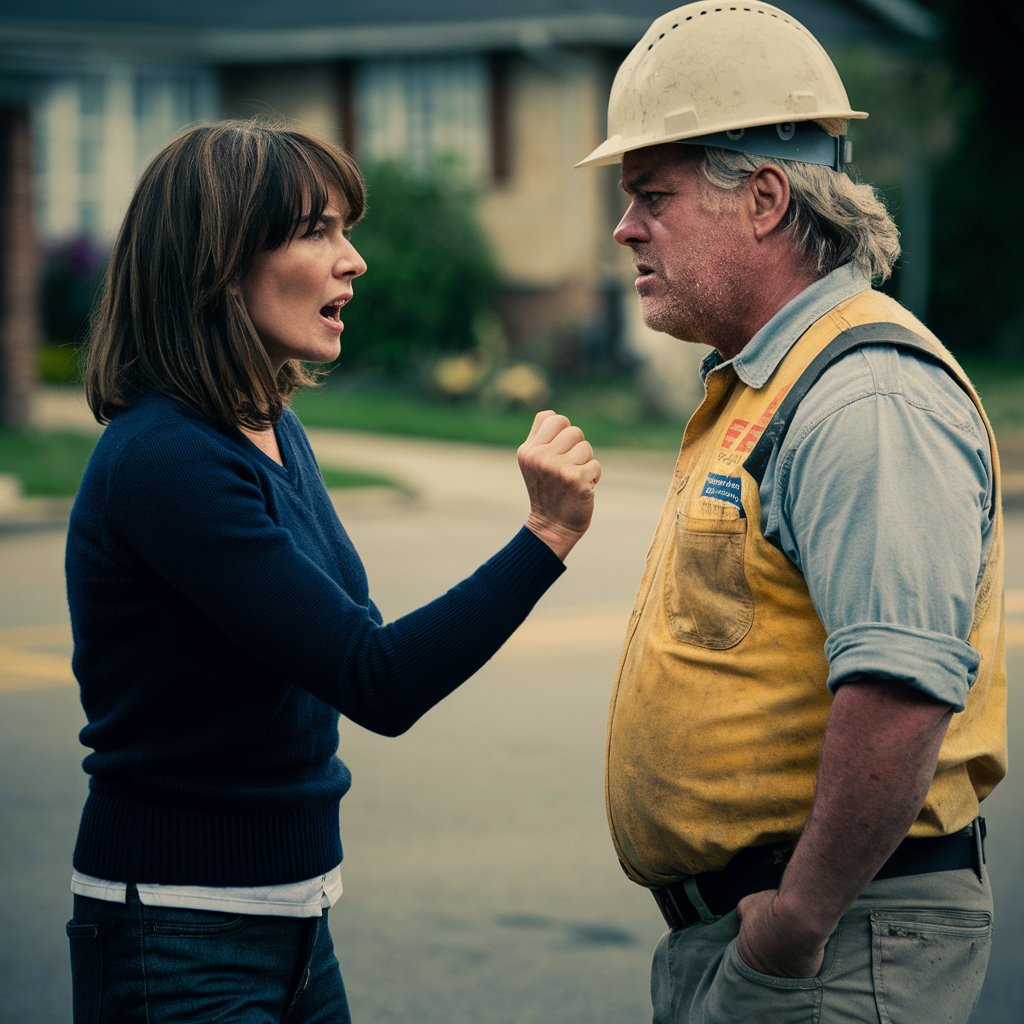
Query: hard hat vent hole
[[723, 10]]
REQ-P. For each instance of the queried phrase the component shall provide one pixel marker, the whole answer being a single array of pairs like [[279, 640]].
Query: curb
[[1013, 491], [33, 515], [66, 408], [26, 515]]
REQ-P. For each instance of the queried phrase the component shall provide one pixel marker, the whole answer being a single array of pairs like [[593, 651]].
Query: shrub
[[431, 270], [72, 277]]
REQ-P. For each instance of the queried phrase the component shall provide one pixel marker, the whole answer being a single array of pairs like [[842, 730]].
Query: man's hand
[[877, 761], [560, 472], [772, 942]]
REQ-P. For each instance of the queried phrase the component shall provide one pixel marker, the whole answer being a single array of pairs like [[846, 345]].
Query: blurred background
[[493, 276], [494, 289]]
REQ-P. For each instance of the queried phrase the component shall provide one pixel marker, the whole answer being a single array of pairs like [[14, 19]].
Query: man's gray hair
[[833, 219]]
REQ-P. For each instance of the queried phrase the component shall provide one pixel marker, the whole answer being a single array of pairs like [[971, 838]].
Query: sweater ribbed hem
[[126, 840]]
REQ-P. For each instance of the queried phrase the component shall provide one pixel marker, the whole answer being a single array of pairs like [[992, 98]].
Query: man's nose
[[630, 229]]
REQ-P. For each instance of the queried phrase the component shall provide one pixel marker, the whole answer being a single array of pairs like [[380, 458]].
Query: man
[[810, 702]]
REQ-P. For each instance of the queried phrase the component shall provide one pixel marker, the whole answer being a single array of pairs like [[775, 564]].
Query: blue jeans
[[163, 965]]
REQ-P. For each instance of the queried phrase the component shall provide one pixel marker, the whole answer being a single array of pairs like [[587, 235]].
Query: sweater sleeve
[[199, 520]]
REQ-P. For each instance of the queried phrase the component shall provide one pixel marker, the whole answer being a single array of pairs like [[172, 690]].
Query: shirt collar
[[763, 353]]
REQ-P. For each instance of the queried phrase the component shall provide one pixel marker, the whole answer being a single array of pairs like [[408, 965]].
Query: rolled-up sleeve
[[881, 496], [940, 665]]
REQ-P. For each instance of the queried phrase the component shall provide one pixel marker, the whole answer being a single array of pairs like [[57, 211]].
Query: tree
[[430, 270], [978, 209]]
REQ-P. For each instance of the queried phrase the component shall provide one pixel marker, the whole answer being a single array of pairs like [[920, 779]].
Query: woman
[[221, 615]]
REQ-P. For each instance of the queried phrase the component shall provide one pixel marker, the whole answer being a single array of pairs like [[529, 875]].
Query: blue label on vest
[[723, 488]]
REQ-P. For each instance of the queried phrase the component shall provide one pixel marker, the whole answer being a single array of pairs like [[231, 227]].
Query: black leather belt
[[760, 867]]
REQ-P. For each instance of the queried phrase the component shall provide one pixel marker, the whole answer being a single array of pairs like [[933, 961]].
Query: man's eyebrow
[[637, 182]]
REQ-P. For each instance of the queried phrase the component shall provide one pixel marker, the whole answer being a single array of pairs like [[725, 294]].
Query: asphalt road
[[480, 884]]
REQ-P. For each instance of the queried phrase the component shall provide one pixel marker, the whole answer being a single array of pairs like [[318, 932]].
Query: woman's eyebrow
[[327, 218]]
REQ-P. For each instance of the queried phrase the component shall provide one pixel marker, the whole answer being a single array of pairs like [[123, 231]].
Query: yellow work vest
[[720, 701]]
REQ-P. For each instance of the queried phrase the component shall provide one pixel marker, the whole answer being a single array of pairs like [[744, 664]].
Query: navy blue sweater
[[221, 621]]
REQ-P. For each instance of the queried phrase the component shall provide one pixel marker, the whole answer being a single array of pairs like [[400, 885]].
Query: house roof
[[221, 31]]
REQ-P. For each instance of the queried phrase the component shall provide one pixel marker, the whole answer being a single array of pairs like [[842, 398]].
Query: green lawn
[[611, 415], [50, 463], [1001, 386]]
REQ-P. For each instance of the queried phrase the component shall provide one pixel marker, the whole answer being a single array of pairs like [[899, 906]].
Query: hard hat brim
[[615, 147]]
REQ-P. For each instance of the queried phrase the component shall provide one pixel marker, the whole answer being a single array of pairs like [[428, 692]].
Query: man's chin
[[659, 320]]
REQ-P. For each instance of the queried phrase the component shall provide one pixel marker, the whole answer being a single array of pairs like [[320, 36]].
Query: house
[[516, 91]]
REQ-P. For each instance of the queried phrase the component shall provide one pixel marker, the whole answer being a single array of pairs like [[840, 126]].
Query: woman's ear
[[769, 196]]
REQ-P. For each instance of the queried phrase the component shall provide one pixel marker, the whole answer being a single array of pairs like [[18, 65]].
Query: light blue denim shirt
[[881, 494]]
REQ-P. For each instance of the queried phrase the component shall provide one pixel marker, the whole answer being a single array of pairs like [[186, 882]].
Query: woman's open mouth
[[332, 311]]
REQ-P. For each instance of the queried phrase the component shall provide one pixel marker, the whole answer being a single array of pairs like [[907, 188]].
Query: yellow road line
[[24, 670], [36, 636], [597, 627], [1015, 634], [593, 628]]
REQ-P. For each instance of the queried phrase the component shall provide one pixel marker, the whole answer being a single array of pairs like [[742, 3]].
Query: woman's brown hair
[[171, 317]]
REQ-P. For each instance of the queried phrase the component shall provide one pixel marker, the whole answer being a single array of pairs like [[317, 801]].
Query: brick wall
[[19, 269]]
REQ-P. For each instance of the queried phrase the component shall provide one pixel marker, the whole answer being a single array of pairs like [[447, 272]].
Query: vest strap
[[860, 336]]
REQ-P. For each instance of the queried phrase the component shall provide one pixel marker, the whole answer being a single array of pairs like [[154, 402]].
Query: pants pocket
[[86, 972], [739, 993], [929, 964], [192, 924]]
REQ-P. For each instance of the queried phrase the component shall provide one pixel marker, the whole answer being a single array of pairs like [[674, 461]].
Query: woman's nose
[[350, 263]]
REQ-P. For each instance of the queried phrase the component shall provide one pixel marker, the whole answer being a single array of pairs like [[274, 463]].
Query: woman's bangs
[[301, 175], [304, 196], [335, 169]]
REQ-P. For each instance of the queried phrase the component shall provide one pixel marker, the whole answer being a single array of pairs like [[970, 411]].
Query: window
[[95, 133], [163, 104], [422, 110]]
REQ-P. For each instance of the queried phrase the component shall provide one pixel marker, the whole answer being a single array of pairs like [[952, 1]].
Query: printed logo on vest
[[733, 432], [746, 443], [723, 488]]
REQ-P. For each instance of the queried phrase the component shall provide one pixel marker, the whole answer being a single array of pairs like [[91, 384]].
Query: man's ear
[[769, 199]]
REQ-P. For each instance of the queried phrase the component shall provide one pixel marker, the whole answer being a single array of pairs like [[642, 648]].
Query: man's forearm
[[877, 763]]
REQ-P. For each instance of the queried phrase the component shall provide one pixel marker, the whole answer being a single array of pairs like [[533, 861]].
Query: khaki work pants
[[910, 950]]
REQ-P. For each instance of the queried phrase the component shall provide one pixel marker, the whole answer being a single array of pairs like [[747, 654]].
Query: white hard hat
[[746, 77]]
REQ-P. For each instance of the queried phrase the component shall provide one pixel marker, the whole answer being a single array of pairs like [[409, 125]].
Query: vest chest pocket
[[707, 599]]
